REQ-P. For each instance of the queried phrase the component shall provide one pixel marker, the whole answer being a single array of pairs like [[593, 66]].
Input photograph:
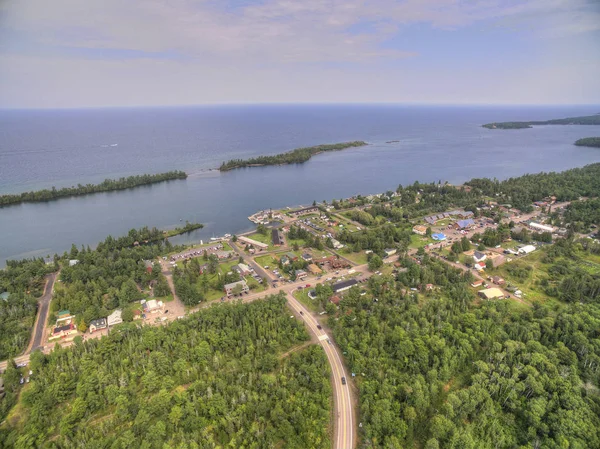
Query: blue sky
[[73, 53]]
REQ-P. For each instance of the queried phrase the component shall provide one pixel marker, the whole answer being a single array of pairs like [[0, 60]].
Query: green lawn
[[359, 258], [419, 241], [302, 296], [298, 242], [266, 239], [266, 261]]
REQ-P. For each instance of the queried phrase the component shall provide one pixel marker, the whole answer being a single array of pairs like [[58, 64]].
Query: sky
[[103, 53]]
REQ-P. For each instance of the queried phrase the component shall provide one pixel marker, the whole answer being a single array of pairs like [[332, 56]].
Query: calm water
[[43, 148]]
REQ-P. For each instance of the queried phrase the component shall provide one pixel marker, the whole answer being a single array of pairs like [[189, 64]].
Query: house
[[335, 299], [419, 229], [63, 331], [478, 256], [498, 280], [98, 324], [239, 285], [284, 260], [301, 274], [137, 314], [526, 249], [439, 236], [253, 242], [477, 283], [242, 269], [336, 244], [114, 318], [463, 224], [344, 285], [491, 293], [307, 257], [149, 265], [428, 287], [312, 294], [479, 266], [152, 306], [314, 269], [73, 262], [291, 256], [304, 211], [389, 251], [276, 237], [223, 254]]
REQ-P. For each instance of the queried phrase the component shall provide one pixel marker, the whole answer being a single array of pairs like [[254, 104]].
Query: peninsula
[[584, 120], [588, 142], [297, 156], [105, 186]]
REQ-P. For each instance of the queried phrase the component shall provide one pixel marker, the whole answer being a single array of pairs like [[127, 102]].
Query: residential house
[[149, 265], [301, 275], [478, 256], [242, 269], [477, 283], [419, 229], [389, 251], [229, 288], [464, 224], [97, 324], [63, 331], [314, 269], [498, 280], [307, 257], [479, 266], [526, 249], [73, 262], [336, 244], [284, 260], [152, 306], [335, 299], [114, 318], [291, 256], [312, 294]]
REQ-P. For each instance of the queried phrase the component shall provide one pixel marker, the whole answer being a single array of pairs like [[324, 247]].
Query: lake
[[43, 148]]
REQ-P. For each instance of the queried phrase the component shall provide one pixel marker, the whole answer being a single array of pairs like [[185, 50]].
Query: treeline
[[588, 142], [521, 192], [297, 156], [437, 370], [583, 120], [24, 283], [215, 379], [105, 186]]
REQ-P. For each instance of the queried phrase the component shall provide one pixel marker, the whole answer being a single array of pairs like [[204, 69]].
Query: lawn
[[302, 296], [267, 260], [529, 285], [266, 239], [419, 241], [359, 258]]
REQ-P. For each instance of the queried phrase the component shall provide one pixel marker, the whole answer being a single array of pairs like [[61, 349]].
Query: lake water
[[40, 149]]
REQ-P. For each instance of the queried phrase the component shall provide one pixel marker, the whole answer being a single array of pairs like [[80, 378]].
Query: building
[[98, 324], [335, 299], [4, 296], [284, 260], [464, 224], [478, 256], [276, 237], [439, 237], [477, 283], [229, 288], [307, 257], [152, 306], [540, 227], [63, 331], [291, 256], [527, 249], [498, 280], [304, 211], [149, 265], [314, 269], [114, 318], [491, 293], [223, 254], [479, 266], [301, 274], [312, 294], [73, 262], [336, 244], [344, 285], [419, 229], [389, 251], [242, 269], [253, 242]]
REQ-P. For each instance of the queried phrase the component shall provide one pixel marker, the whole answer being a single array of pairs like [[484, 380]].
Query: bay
[[42, 148]]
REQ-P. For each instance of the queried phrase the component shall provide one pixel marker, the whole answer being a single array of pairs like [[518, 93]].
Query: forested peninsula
[[584, 120], [297, 156], [105, 186], [588, 142]]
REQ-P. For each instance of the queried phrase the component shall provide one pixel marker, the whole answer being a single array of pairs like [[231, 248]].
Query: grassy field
[[266, 239], [302, 296], [266, 261], [359, 258], [419, 241]]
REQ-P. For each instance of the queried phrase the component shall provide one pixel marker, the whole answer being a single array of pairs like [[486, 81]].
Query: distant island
[[105, 186], [297, 156], [588, 142], [584, 120]]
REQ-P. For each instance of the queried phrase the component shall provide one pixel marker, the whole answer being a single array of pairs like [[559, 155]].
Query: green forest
[[444, 370], [297, 156], [217, 379], [105, 186], [588, 142], [584, 120]]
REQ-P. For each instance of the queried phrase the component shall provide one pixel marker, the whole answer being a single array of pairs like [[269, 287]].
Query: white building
[[541, 227], [114, 318], [230, 287], [527, 249], [253, 242]]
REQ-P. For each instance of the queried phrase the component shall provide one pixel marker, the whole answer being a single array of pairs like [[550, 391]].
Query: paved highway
[[43, 306]]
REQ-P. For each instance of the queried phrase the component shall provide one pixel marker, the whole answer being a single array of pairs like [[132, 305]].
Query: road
[[343, 406], [42, 316]]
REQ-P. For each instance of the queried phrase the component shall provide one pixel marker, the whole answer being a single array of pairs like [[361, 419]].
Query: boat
[[227, 236]]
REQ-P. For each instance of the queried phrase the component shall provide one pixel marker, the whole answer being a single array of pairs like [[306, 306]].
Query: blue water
[[64, 147]]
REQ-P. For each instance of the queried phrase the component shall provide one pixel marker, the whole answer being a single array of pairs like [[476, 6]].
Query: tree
[[375, 262], [127, 314], [234, 238], [428, 231], [261, 229]]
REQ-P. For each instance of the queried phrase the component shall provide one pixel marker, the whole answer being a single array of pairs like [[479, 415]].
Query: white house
[[527, 249], [478, 256], [114, 318]]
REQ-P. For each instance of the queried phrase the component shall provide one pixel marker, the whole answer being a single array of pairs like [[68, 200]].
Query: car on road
[[319, 326], [301, 312], [328, 341], [167, 311], [343, 380]]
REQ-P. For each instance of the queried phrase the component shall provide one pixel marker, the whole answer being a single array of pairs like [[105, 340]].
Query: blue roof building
[[440, 236]]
